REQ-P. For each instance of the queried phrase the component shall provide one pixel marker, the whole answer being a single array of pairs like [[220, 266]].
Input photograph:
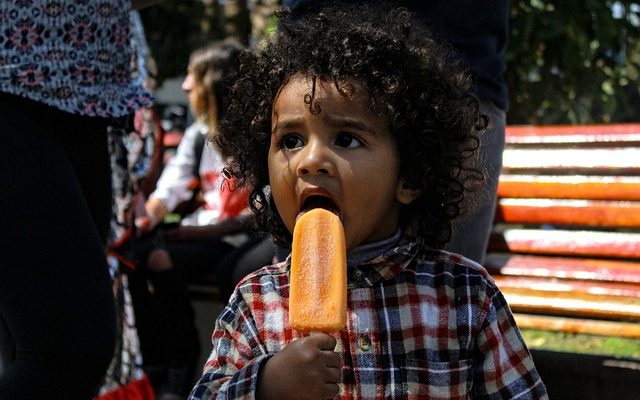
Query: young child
[[358, 110]]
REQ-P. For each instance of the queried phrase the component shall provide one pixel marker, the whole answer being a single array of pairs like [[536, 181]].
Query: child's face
[[343, 158]]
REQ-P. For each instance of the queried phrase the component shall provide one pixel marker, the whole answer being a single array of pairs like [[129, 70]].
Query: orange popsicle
[[318, 284]]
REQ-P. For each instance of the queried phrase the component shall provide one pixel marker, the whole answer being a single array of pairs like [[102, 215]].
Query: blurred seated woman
[[214, 238]]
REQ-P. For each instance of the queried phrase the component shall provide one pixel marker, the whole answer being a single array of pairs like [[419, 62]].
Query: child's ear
[[405, 194]]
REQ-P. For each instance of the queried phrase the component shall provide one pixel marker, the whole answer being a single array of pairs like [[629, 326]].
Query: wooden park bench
[[565, 248]]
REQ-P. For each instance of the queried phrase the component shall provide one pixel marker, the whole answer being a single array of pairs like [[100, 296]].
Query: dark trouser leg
[[165, 317], [178, 328], [55, 291], [471, 230]]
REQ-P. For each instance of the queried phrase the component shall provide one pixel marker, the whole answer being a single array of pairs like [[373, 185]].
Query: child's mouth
[[318, 201]]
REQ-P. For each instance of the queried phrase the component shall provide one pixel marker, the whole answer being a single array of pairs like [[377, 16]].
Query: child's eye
[[348, 141], [291, 142]]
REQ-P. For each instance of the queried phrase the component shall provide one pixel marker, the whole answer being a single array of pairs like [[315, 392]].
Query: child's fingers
[[323, 341], [332, 375], [331, 359], [330, 390]]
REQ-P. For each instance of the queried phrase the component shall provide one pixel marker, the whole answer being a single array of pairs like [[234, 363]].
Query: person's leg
[[86, 144], [149, 327], [470, 231], [166, 268], [55, 292]]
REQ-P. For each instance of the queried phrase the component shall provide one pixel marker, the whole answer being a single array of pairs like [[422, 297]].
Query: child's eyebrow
[[333, 120], [349, 123], [287, 124]]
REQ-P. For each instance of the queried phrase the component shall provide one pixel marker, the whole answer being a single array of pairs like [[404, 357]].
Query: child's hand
[[307, 369]]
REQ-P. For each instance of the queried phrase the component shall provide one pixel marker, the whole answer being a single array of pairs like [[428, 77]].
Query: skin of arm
[[209, 232], [154, 212], [173, 184]]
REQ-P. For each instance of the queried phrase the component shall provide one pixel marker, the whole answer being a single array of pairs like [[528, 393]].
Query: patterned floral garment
[[73, 55]]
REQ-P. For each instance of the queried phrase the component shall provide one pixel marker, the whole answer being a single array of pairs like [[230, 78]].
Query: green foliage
[[582, 343], [574, 62], [174, 28], [567, 62]]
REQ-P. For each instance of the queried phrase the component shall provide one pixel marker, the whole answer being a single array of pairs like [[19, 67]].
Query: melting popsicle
[[318, 291]]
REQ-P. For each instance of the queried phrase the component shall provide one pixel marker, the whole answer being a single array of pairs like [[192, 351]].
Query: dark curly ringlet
[[415, 82]]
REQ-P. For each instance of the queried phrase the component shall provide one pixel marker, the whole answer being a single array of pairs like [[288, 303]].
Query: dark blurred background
[[568, 62]]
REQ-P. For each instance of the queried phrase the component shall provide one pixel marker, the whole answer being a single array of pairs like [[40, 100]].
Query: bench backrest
[[566, 239]]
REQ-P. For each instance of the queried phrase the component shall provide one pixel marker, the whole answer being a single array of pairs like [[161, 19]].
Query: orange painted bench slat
[[596, 213], [567, 286], [578, 325], [585, 305], [570, 187]]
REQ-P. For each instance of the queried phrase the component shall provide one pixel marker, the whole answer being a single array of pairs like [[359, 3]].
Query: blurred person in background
[[212, 237]]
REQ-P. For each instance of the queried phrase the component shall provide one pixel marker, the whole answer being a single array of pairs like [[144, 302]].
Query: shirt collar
[[383, 260]]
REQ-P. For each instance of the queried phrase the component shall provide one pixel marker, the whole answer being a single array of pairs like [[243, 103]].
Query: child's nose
[[315, 159]]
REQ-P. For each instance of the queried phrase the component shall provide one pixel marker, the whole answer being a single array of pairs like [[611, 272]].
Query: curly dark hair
[[417, 83]]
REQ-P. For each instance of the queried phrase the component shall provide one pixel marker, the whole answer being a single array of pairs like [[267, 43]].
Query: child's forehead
[[318, 89], [302, 101], [347, 85]]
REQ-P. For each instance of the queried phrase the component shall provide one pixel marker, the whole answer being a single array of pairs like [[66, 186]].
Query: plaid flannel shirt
[[421, 324]]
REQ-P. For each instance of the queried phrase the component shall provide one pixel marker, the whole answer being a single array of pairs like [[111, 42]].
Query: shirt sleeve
[[173, 186], [231, 372], [504, 366]]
